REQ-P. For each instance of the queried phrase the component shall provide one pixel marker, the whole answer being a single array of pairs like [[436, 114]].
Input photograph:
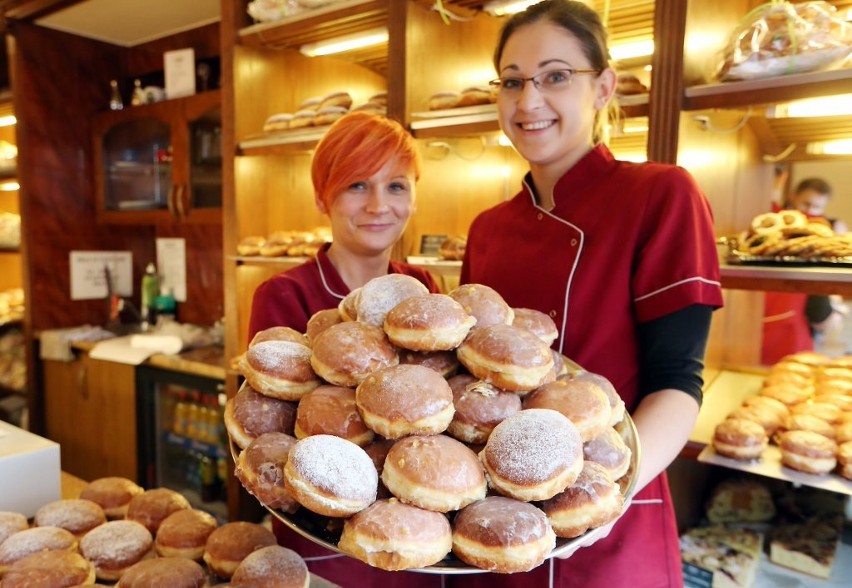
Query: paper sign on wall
[[179, 68], [89, 271], [171, 265]]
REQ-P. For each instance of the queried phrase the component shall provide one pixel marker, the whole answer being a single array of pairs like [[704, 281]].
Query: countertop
[[207, 361]]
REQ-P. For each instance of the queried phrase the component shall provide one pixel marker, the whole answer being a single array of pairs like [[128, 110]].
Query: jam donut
[[509, 357], [593, 501], [174, 572], [740, 439], [280, 369], [231, 543], [23, 543], [115, 546], [331, 410], [113, 494], [331, 476], [405, 400], [49, 569], [11, 523], [378, 296], [392, 535], [346, 353], [479, 407], [537, 323], [184, 534], [320, 321], [533, 455], [502, 535], [432, 322], [272, 566], [152, 507], [808, 452], [484, 304], [260, 469], [583, 402], [416, 471], [444, 362], [250, 414], [79, 516], [609, 451]]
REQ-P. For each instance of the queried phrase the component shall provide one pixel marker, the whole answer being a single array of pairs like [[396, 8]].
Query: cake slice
[[809, 547]]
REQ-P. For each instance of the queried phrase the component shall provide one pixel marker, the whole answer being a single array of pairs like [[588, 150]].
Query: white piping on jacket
[[324, 283], [675, 284]]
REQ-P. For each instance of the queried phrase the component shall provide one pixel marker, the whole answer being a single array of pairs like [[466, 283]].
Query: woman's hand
[[598, 534]]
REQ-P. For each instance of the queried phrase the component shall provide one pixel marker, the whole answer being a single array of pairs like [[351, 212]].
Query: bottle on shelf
[[115, 102], [138, 96], [150, 289], [181, 416]]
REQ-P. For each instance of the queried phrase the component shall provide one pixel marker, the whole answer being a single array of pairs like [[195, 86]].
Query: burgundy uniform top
[[290, 298]]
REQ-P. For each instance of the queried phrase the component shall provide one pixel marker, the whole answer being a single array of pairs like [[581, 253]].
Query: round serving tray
[[325, 531]]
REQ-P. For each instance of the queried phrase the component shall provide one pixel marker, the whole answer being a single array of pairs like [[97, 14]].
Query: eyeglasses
[[546, 82]]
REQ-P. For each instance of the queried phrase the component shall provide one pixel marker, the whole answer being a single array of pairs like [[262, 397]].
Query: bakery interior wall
[[60, 81]]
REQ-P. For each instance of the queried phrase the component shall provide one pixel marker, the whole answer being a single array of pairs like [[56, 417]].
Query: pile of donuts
[[792, 234], [805, 407], [118, 532], [423, 424], [322, 111], [285, 243]]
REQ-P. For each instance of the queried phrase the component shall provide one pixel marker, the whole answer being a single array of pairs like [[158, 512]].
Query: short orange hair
[[354, 148]]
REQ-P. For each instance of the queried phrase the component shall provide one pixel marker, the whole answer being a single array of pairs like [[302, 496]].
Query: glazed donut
[[302, 118], [250, 245], [593, 501], [280, 369], [174, 572], [272, 566], [79, 516], [453, 248], [184, 534], [379, 98], [809, 422], [113, 494], [583, 402], [442, 100], [331, 476], [474, 96], [338, 99], [378, 296], [533, 455], [392, 535], [833, 386], [230, 544], [249, 415], [278, 334], [770, 421], [260, 469], [115, 546], [502, 535], [844, 460], [610, 451], [152, 507], [331, 410], [740, 439], [49, 569], [508, 357], [560, 368], [405, 400], [841, 401], [23, 543], [11, 523], [769, 404], [347, 308], [444, 362], [346, 353], [320, 321], [371, 108], [432, 322], [768, 222], [327, 115], [808, 452], [786, 394], [416, 470], [484, 304], [788, 378], [479, 407], [822, 410], [378, 452], [843, 433], [537, 323], [615, 402]]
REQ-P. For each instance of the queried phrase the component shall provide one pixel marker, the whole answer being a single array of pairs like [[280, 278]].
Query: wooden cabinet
[[90, 410], [161, 162]]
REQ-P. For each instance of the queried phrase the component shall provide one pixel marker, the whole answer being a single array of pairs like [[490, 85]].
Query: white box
[[29, 471]]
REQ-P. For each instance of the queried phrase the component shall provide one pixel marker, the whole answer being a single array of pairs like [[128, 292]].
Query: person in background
[[364, 173], [624, 262], [811, 196]]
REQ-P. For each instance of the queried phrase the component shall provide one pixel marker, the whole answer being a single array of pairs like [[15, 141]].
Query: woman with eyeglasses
[[622, 256]]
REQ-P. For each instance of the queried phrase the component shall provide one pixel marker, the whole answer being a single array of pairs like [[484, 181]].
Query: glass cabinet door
[[137, 165], [205, 181]]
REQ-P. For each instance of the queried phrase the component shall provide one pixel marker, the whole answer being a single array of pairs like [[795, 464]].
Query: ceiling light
[[345, 43], [9, 186], [504, 7], [840, 105], [839, 147], [8, 120], [632, 50]]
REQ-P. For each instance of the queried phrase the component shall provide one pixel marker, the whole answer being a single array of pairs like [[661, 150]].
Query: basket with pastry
[[790, 236]]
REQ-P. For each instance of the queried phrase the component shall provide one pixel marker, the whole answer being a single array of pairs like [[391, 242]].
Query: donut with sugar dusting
[[432, 322], [249, 414], [378, 296], [537, 323], [280, 369], [115, 546], [260, 469], [592, 501], [272, 566], [479, 407]]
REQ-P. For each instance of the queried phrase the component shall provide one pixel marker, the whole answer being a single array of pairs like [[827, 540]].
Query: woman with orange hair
[[364, 172]]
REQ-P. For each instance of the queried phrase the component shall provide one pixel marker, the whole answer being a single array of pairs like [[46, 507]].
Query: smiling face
[[369, 216], [811, 202], [552, 130]]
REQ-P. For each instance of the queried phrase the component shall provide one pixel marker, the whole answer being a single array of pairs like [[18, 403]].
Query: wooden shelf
[[285, 142], [811, 280], [257, 260]]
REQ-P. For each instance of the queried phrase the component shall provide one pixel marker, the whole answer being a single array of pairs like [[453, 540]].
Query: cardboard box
[[29, 470]]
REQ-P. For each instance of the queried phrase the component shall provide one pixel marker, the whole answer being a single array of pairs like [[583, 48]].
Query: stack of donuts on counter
[[805, 407], [424, 424], [322, 111], [285, 243], [791, 234], [117, 532]]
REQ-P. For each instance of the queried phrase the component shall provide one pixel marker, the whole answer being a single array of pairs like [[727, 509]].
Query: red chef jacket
[[289, 299], [625, 243]]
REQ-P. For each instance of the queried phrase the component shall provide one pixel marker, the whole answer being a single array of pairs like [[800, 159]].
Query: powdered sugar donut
[[115, 546], [79, 516], [50, 569], [378, 296], [11, 523], [272, 566], [280, 369], [113, 494], [32, 540], [174, 572]]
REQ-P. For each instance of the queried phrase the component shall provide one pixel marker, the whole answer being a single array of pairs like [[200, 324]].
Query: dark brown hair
[[818, 185]]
